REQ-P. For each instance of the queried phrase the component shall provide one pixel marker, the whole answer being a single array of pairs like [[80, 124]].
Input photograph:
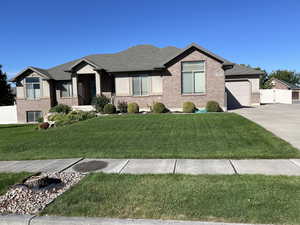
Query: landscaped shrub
[[43, 126], [122, 106], [188, 107], [133, 107], [61, 108], [99, 102], [213, 106], [109, 109], [158, 107], [74, 116], [80, 115], [40, 119]]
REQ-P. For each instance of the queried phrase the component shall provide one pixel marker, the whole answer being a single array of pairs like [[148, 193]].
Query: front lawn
[[8, 179], [229, 198], [213, 135]]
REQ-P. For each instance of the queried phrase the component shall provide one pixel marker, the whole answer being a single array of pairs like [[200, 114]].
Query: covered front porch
[[88, 82]]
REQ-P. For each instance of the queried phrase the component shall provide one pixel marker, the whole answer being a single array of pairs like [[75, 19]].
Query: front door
[[86, 89]]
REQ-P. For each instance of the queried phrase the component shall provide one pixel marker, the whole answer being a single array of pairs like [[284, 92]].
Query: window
[[66, 89], [32, 87], [140, 85], [33, 116], [193, 77]]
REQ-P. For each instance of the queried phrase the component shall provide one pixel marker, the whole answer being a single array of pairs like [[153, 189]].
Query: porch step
[[86, 108]]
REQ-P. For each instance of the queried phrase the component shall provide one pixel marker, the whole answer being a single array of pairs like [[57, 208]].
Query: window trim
[[141, 84], [193, 72], [34, 115], [60, 89], [32, 83]]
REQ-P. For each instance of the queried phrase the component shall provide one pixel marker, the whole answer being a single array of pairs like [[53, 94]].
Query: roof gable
[[41, 72], [199, 48], [287, 84]]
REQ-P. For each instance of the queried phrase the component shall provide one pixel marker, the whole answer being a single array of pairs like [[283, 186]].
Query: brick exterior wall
[[172, 96], [70, 101], [24, 105], [279, 85]]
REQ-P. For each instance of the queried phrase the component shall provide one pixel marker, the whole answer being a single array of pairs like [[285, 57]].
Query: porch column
[[98, 83], [74, 85]]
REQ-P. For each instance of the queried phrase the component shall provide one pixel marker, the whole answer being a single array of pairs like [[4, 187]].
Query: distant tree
[[263, 84], [6, 96], [289, 76]]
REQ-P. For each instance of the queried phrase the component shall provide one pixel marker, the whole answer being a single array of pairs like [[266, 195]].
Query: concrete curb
[[15, 219], [54, 220]]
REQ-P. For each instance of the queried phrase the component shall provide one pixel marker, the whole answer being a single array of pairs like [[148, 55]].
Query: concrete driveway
[[282, 120]]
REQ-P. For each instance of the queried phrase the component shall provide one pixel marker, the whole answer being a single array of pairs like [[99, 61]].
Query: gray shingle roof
[[289, 85], [137, 58], [242, 70]]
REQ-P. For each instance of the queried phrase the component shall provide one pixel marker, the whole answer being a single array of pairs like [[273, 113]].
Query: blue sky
[[39, 33]]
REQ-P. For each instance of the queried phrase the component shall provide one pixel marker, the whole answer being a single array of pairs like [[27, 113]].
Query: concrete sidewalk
[[53, 220], [289, 167]]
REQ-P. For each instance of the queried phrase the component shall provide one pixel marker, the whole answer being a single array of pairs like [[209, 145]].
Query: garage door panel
[[238, 93]]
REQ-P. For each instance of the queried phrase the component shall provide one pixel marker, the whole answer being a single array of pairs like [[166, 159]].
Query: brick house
[[283, 85], [143, 74]]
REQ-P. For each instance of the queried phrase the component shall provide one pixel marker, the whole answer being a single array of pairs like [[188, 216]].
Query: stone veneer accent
[[279, 85], [172, 96], [255, 99], [23, 105], [70, 101]]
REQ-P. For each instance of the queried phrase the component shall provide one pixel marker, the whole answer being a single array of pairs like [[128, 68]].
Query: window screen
[[193, 77], [32, 87], [140, 85], [33, 116]]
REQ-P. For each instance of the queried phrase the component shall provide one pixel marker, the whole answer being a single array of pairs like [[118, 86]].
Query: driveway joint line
[[72, 164], [125, 164], [292, 161], [175, 165], [31, 218], [232, 165]]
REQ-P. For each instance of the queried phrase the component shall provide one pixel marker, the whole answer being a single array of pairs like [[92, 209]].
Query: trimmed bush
[[74, 116], [158, 107], [44, 126], [109, 109], [122, 106], [61, 108], [213, 106], [133, 108], [80, 115], [188, 107], [40, 119], [99, 102]]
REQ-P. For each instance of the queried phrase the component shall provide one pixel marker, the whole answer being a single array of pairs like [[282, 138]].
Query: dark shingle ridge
[[242, 70]]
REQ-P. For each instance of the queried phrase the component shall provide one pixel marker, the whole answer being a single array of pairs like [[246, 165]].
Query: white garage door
[[238, 93]]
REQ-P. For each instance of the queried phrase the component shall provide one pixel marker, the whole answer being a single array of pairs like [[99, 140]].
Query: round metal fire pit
[[90, 166]]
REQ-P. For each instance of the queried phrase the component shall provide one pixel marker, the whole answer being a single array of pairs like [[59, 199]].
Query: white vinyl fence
[[276, 96], [8, 114]]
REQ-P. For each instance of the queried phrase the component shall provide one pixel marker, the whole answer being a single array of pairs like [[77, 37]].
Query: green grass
[[221, 135], [8, 179], [229, 198]]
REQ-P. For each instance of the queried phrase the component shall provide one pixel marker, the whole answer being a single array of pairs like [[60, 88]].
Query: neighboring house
[[280, 84], [142, 74]]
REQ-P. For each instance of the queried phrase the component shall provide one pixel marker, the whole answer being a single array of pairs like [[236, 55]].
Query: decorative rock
[[20, 199]]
